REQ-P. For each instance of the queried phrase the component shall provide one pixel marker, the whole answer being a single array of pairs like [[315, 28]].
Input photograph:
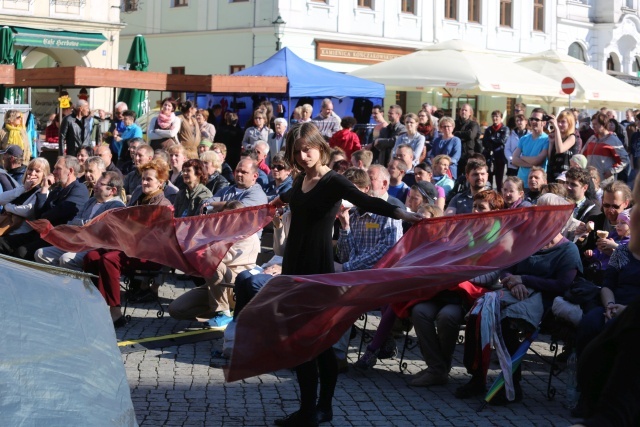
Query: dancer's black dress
[[309, 250]]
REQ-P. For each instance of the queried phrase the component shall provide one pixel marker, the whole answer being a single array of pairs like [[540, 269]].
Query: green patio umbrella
[[18, 94], [138, 61], [6, 56]]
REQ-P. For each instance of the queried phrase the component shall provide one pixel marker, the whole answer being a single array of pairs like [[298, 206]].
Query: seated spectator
[[281, 174], [477, 175], [12, 162], [405, 153], [128, 164], [213, 168], [58, 204], [487, 201], [362, 159], [190, 199], [83, 154], [360, 246], [177, 155], [94, 167], [263, 178], [262, 152], [336, 155], [379, 176], [535, 180], [423, 172], [142, 155], [440, 166], [104, 153], [615, 200], [397, 187], [212, 301], [513, 193], [620, 237], [204, 146], [528, 290], [108, 265], [105, 197], [20, 201], [577, 184], [595, 180], [346, 139], [608, 375], [227, 172]]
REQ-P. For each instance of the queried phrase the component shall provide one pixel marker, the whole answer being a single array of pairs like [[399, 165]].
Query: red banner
[[294, 318], [194, 245]]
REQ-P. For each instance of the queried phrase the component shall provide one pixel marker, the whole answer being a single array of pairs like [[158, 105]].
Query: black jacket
[[469, 133], [74, 133], [387, 140]]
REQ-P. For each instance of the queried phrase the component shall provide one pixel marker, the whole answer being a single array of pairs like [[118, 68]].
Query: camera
[[208, 210], [546, 118]]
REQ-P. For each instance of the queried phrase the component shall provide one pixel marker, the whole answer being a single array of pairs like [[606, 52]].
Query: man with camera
[[532, 148]]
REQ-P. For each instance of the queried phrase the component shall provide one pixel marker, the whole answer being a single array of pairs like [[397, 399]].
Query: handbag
[[9, 222]]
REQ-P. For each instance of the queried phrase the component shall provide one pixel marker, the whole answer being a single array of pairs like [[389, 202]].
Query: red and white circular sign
[[568, 85]]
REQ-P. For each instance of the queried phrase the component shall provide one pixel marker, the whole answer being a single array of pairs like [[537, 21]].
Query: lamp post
[[279, 27]]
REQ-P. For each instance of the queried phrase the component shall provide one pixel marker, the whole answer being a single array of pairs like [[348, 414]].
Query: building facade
[[223, 36], [65, 33]]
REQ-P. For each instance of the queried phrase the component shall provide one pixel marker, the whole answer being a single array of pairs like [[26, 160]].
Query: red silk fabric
[[294, 318], [194, 245]]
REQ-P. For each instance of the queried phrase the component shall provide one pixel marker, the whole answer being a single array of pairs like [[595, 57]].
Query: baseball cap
[[13, 150], [427, 190]]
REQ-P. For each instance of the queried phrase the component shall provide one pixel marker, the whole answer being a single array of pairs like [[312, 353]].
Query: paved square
[[175, 386]]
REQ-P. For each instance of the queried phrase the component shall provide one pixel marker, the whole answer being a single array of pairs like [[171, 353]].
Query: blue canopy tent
[[307, 80]]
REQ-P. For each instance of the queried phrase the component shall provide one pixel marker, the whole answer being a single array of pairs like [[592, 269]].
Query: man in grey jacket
[[105, 197]]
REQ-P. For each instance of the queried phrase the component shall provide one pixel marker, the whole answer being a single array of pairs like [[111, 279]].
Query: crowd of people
[[345, 199]]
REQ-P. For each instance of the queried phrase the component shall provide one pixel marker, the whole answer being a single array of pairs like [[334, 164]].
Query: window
[[635, 67], [365, 3], [179, 3], [538, 15], [613, 63], [451, 9], [505, 13], [629, 4], [576, 51], [409, 6], [129, 5], [474, 10], [177, 70], [235, 68]]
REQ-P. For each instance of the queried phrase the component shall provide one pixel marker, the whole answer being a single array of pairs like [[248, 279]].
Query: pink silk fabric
[[294, 318], [194, 245]]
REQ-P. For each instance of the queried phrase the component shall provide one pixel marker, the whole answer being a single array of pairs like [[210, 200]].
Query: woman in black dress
[[315, 200]]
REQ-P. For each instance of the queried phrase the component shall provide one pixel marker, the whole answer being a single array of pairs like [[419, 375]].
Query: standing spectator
[[383, 145], [377, 114], [306, 111], [448, 144], [412, 138], [121, 142], [427, 127], [346, 138], [326, 121], [260, 131], [519, 109], [207, 130], [189, 133], [532, 148], [495, 138], [468, 130], [52, 132], [230, 135], [516, 133], [74, 133], [564, 143], [604, 150], [162, 131]]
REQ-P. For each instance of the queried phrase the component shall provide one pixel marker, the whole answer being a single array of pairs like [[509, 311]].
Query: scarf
[[146, 199], [164, 120], [15, 135], [497, 127]]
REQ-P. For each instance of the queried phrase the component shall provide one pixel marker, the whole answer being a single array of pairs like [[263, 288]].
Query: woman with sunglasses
[[281, 174]]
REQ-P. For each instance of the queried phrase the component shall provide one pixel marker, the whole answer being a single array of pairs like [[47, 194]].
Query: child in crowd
[[600, 256], [346, 138]]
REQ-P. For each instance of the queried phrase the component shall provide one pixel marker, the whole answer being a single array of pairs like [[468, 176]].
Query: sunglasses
[[609, 206], [534, 119], [278, 167]]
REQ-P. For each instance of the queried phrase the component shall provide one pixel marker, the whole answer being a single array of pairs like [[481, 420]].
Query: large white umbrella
[[593, 86], [460, 69]]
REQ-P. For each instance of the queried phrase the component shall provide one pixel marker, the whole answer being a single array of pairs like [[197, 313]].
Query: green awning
[[57, 39]]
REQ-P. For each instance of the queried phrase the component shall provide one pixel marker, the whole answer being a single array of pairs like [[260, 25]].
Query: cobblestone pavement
[[175, 386]]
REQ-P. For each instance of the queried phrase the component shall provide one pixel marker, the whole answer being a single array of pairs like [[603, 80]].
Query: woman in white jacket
[[163, 129], [21, 200]]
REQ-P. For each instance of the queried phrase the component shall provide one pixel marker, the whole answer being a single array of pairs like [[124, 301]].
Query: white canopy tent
[[592, 86], [459, 69]]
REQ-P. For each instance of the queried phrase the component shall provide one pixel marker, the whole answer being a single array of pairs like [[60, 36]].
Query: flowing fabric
[[294, 318], [194, 245]]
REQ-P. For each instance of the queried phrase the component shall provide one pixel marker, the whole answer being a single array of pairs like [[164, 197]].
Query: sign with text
[[357, 53]]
